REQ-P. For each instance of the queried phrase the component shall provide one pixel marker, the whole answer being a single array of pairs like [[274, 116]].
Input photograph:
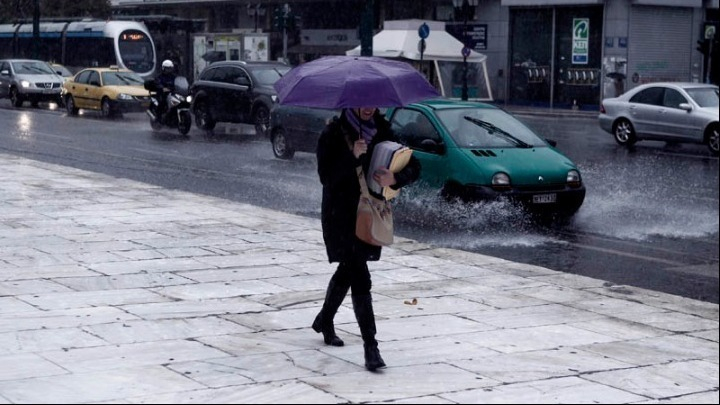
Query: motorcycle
[[177, 106]]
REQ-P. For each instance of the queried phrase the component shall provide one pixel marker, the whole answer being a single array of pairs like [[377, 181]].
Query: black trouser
[[354, 274]]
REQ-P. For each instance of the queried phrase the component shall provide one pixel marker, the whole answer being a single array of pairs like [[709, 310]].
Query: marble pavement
[[114, 291]]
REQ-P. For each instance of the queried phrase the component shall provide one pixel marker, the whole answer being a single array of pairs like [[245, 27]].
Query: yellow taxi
[[110, 90]]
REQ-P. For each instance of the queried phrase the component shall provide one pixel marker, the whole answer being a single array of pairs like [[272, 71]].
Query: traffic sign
[[465, 52], [421, 46], [424, 31]]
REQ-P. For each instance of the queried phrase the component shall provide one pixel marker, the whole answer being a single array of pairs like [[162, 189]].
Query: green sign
[[580, 41]]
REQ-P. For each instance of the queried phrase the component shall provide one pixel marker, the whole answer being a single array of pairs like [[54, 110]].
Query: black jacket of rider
[[165, 80]]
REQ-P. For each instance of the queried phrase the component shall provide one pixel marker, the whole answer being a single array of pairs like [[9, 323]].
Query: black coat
[[341, 188]]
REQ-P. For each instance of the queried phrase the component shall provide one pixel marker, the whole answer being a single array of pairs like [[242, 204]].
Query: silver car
[[28, 79], [672, 112]]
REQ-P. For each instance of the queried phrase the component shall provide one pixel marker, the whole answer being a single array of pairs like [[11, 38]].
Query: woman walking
[[346, 143]]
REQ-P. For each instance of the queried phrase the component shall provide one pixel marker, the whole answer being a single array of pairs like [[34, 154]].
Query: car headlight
[[123, 96], [500, 181], [25, 83], [573, 179]]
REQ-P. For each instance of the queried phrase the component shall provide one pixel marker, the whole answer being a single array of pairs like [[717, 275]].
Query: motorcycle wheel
[[185, 123]]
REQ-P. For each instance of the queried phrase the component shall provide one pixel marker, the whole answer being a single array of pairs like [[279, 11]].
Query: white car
[[664, 111], [31, 80]]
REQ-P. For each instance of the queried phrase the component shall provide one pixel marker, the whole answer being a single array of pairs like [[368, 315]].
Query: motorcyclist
[[165, 83]]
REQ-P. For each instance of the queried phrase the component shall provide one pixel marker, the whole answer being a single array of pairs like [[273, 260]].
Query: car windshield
[[122, 79], [705, 97], [32, 68], [487, 128], [268, 76]]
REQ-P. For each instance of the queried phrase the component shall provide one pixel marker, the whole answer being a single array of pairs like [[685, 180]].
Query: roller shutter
[[659, 44]]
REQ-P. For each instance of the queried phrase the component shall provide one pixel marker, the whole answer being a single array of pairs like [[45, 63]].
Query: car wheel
[[281, 145], [713, 139], [106, 108], [70, 105], [624, 133], [261, 119], [203, 119], [15, 97]]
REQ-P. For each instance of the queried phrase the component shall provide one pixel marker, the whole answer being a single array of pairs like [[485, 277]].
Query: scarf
[[366, 129]]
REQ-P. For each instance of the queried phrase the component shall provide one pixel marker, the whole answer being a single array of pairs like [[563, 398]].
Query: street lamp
[[467, 9], [256, 12]]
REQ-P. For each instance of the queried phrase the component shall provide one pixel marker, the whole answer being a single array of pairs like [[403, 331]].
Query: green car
[[474, 151]]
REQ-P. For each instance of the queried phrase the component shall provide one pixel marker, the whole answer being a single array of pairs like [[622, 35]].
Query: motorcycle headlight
[[188, 99], [25, 83], [123, 96]]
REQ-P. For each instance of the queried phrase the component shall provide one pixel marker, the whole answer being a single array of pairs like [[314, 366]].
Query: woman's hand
[[359, 148], [384, 177]]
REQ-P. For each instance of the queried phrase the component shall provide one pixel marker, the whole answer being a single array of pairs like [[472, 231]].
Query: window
[[237, 76], [84, 77], [94, 79], [673, 98], [652, 95], [412, 127]]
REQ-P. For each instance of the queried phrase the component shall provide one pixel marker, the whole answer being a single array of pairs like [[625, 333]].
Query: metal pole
[[465, 11], [286, 12], [36, 30]]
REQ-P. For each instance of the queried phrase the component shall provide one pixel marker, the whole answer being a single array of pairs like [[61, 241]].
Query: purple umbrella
[[335, 82]]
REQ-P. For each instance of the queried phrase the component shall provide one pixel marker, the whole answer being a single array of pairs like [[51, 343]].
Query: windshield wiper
[[492, 130]]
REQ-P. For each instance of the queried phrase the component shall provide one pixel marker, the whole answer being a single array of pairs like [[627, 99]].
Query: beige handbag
[[374, 223]]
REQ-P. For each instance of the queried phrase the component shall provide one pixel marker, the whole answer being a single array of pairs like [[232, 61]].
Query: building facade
[[553, 53]]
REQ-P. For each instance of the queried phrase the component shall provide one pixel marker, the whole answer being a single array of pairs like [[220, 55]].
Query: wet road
[[650, 218]]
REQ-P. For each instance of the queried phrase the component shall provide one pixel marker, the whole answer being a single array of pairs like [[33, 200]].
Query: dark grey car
[[296, 129], [237, 92]]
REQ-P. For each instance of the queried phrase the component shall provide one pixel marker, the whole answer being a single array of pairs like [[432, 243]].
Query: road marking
[[631, 255]]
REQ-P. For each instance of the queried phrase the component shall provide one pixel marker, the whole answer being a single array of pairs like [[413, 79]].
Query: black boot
[[362, 304], [324, 320]]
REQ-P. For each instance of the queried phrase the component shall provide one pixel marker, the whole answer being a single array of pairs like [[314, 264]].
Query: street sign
[[423, 31], [465, 52], [709, 31], [421, 46]]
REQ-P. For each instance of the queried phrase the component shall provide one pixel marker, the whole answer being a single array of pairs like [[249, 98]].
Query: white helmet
[[168, 64]]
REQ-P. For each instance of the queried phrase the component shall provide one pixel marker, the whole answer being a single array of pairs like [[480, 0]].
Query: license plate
[[544, 198], [48, 91]]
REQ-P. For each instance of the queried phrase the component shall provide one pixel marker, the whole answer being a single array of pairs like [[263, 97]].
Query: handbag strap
[[363, 184], [361, 175]]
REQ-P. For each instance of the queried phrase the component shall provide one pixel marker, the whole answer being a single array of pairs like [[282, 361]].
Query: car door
[[412, 127], [94, 90], [643, 110], [672, 122], [78, 88], [239, 88]]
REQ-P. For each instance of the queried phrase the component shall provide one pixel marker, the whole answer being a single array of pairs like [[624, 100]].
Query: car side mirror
[[430, 145], [685, 106], [5, 73]]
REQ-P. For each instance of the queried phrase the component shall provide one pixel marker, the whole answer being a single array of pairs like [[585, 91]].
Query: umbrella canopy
[[342, 81]]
